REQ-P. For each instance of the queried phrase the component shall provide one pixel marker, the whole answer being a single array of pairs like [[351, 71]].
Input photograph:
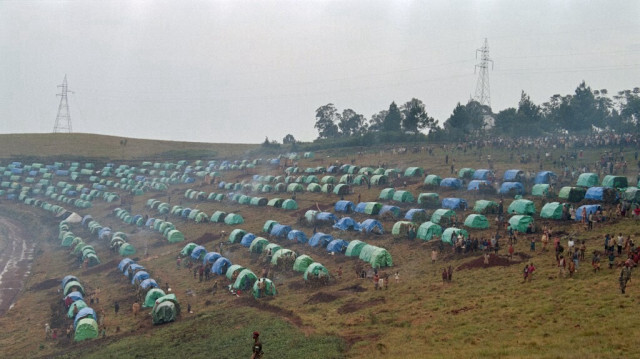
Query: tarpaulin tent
[[328, 179], [552, 210], [124, 263], [454, 203], [604, 194], [210, 258], [269, 288], [432, 180], [79, 304], [540, 190], [126, 249], [149, 283], [301, 263], [427, 230], [315, 270], [233, 270], [587, 180], [310, 216], [522, 206], [280, 230], [275, 202], [233, 219], [314, 187], [545, 177], [132, 269], [187, 249], [477, 185], [341, 189], [572, 194], [483, 174], [429, 199], [220, 266], [485, 207], [281, 254], [347, 223], [414, 172], [73, 286], [68, 279], [354, 248], [320, 239], [236, 235], [451, 183], [631, 194], [84, 313], [344, 206], [268, 225], [290, 204], [337, 246], [590, 208], [371, 225], [297, 235], [512, 188], [372, 208], [401, 228], [325, 217], [174, 236], [379, 180], [513, 176], [476, 221], [247, 239], [258, 245], [139, 277], [360, 180], [442, 216], [86, 328], [245, 280], [151, 296], [272, 248], [615, 181], [166, 309], [387, 193], [376, 256], [416, 215], [450, 235], [520, 223], [394, 210], [466, 173], [403, 196]]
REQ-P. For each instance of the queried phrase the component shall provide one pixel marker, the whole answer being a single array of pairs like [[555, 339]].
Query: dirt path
[[16, 256]]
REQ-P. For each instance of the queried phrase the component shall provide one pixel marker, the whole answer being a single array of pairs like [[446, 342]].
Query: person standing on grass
[[532, 269], [256, 348], [434, 256], [572, 268], [533, 244], [562, 265], [620, 242], [135, 308], [376, 280], [625, 276], [116, 307], [511, 250], [450, 273], [595, 261], [583, 249], [576, 257], [445, 275], [486, 259]]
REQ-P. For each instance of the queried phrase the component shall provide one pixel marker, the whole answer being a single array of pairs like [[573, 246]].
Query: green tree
[[351, 123], [506, 121], [415, 116], [376, 121], [326, 117], [393, 119], [459, 123], [528, 117], [288, 139]]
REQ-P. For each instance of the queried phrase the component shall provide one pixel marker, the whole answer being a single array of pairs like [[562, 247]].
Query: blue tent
[[413, 211], [198, 252], [84, 313], [102, 230], [475, 185], [150, 222], [68, 279], [247, 239], [296, 235], [360, 207], [85, 219], [148, 283], [123, 263], [512, 176], [544, 177], [73, 296], [326, 216], [347, 223], [512, 187], [591, 208], [454, 203], [320, 239], [332, 169], [601, 194], [132, 267], [370, 224], [139, 277], [344, 206], [280, 230], [389, 208], [451, 183], [211, 257], [484, 175], [185, 212], [337, 245], [220, 266]]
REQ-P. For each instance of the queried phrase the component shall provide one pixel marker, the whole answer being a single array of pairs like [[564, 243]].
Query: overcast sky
[[237, 71]]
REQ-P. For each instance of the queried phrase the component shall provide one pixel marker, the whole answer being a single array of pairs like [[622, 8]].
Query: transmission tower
[[63, 119], [483, 93]]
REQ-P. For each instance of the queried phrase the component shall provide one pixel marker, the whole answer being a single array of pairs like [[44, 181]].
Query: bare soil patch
[[46, 284], [494, 261], [102, 267], [356, 306], [354, 288], [461, 310], [321, 297], [205, 238], [289, 315]]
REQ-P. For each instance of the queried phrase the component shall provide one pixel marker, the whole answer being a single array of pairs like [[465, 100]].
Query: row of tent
[[289, 204], [117, 240], [196, 215], [84, 252], [165, 307], [243, 279], [85, 319]]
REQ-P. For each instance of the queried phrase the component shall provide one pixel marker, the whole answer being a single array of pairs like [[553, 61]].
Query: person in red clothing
[[532, 269], [511, 251], [376, 280]]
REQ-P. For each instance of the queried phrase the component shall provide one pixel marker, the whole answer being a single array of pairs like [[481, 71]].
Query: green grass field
[[483, 313]]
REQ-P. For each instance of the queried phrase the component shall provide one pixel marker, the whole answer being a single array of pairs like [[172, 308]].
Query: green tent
[[258, 245], [187, 249], [466, 173], [520, 223], [379, 180], [174, 236], [315, 269], [429, 199], [432, 180], [245, 280], [372, 208], [341, 189], [236, 235], [442, 216], [275, 202], [328, 179], [301, 263], [77, 304], [414, 172], [572, 194], [327, 188], [485, 207], [290, 204], [387, 193], [588, 180], [274, 247], [233, 219], [294, 187], [401, 228], [360, 180], [631, 194], [314, 187], [427, 230], [232, 269], [269, 288], [540, 190], [268, 225], [126, 249], [166, 309], [67, 239], [151, 296], [259, 201], [72, 286], [282, 252], [354, 248], [476, 221], [552, 210], [218, 216], [451, 232], [311, 179], [615, 181], [310, 216], [376, 256], [403, 196], [522, 206], [86, 328]]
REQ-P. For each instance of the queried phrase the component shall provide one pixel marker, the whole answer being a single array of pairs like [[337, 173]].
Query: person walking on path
[[562, 265], [533, 244], [445, 275], [625, 276], [450, 273], [116, 307], [434, 256], [511, 250], [525, 273]]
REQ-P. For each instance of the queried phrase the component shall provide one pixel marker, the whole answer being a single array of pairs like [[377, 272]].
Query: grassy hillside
[[485, 312]]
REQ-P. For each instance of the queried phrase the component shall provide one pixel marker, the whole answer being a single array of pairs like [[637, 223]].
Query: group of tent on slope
[[164, 307], [84, 253], [193, 214], [85, 319], [288, 204]]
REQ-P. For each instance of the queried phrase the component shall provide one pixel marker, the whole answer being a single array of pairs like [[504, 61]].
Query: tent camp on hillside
[[483, 206], [450, 235], [442, 216], [602, 194], [618, 182], [454, 203], [432, 181], [476, 221], [512, 188], [572, 194], [377, 257], [429, 199], [520, 223], [545, 177], [522, 206], [589, 209], [587, 180], [301, 263], [428, 230], [552, 210]]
